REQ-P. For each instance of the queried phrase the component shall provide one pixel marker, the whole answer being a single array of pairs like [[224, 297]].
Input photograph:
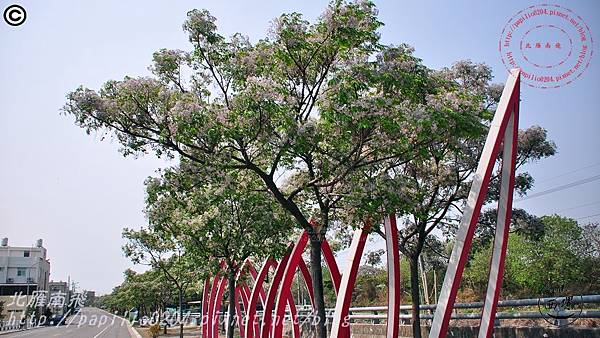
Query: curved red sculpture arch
[[503, 130], [271, 297], [341, 322], [204, 318], [280, 295], [340, 326], [257, 292], [286, 279]]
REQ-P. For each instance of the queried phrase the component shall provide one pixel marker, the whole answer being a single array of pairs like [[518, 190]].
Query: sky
[[77, 193]]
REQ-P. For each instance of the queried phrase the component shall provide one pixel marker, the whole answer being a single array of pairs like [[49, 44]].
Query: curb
[[17, 331], [9, 331], [133, 332]]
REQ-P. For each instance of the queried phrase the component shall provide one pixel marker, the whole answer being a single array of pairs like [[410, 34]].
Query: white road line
[[101, 332], [119, 322]]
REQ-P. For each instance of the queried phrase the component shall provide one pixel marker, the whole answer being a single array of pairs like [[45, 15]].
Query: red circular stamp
[[551, 44]]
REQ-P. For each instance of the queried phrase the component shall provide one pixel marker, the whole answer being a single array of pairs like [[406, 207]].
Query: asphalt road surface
[[89, 323]]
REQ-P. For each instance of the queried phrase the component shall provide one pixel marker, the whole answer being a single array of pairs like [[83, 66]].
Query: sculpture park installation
[[278, 298], [504, 129]]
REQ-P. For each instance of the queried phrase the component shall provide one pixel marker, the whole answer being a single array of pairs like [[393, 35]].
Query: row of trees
[[148, 293], [199, 227], [318, 127], [562, 258]]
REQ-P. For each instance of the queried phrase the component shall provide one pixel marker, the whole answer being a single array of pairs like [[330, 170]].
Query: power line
[[594, 215], [569, 172], [560, 187], [578, 206]]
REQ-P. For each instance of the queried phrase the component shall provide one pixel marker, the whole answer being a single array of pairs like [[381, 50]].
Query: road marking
[[132, 331], [101, 332]]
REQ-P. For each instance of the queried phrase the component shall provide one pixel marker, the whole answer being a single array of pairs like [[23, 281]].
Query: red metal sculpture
[[296, 262], [254, 296], [341, 321], [503, 131]]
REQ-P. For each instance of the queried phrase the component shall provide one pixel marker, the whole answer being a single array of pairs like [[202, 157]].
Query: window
[[26, 254], [20, 271]]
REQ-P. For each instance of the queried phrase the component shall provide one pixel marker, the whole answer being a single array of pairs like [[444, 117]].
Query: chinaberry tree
[[321, 115], [429, 188], [167, 255], [149, 292], [442, 178], [221, 221]]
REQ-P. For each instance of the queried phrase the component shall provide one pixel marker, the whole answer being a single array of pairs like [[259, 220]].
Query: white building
[[23, 270]]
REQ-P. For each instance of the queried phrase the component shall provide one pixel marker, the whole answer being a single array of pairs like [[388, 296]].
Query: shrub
[[154, 330]]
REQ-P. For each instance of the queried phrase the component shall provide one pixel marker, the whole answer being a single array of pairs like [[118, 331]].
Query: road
[[89, 323]]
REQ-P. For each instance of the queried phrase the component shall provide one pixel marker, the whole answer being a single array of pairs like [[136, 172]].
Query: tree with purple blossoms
[[428, 189], [166, 255], [221, 222], [322, 115]]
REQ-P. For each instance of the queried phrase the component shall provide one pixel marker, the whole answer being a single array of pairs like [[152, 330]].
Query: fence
[[9, 326], [374, 314]]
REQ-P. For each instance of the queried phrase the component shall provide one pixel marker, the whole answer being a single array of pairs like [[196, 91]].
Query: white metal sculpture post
[[503, 129], [507, 182]]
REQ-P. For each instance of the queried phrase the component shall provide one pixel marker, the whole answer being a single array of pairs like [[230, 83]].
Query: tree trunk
[[180, 317], [415, 295], [231, 305], [317, 284]]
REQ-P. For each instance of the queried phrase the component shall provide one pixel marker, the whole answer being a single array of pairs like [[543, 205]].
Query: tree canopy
[[339, 128], [555, 263]]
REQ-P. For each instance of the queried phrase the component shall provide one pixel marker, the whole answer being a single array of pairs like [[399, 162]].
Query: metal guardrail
[[6, 326], [503, 303], [499, 315], [376, 313], [15, 324], [379, 312]]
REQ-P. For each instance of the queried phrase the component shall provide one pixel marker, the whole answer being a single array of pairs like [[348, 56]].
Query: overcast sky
[[77, 193]]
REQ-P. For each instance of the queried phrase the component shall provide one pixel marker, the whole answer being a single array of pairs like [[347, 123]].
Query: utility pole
[[28, 282], [68, 290]]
